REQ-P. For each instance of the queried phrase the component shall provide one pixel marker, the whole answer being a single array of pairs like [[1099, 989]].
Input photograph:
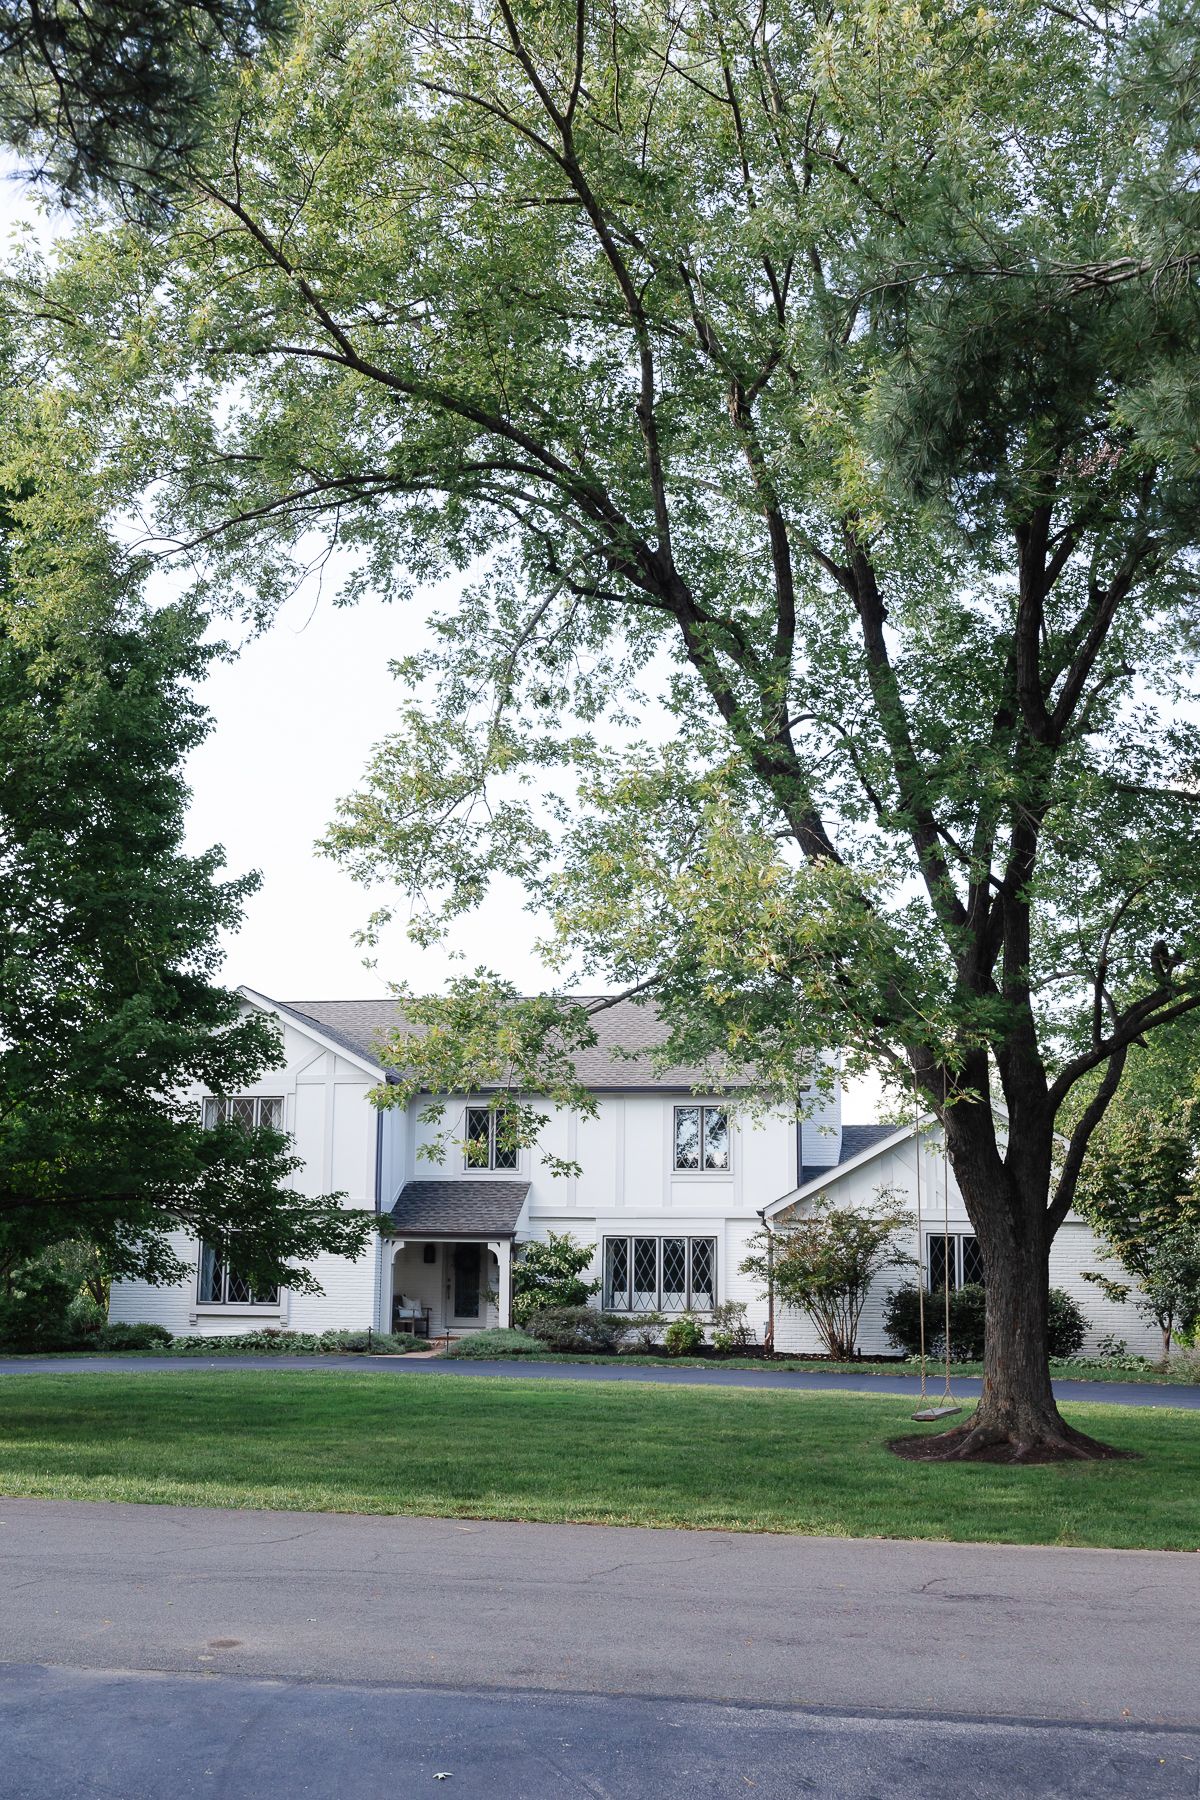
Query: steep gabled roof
[[855, 1139], [629, 1026]]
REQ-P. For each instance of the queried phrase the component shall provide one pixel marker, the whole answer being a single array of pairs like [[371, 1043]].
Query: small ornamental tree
[[1140, 1193], [824, 1264], [550, 1274]]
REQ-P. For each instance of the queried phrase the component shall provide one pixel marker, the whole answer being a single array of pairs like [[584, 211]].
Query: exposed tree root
[[1046, 1439]]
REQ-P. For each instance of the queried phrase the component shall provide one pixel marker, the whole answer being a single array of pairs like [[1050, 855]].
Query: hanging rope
[[947, 1404], [948, 1399], [920, 1245]]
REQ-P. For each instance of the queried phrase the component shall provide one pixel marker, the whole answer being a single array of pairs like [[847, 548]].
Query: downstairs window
[[660, 1274]]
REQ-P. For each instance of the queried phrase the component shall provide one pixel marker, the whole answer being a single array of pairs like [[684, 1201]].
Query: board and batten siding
[[334, 1132], [1073, 1253]]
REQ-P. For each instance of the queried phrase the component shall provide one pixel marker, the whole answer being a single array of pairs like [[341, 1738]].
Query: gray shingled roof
[[460, 1208], [855, 1139], [628, 1026]]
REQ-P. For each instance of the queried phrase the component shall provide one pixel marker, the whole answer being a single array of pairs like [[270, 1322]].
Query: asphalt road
[[150, 1652], [1111, 1393], [143, 1738]]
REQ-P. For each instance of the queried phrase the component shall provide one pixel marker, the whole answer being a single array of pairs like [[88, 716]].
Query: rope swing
[[928, 1410]]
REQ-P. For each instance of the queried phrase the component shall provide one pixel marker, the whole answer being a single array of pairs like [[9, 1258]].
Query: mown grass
[[626, 1454]]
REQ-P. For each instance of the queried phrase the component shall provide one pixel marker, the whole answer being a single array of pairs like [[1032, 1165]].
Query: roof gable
[[627, 1027]]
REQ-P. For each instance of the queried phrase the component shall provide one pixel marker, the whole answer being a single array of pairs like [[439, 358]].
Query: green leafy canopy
[[788, 368]]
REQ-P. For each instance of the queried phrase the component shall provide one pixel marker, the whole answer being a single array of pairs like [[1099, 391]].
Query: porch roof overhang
[[460, 1209]]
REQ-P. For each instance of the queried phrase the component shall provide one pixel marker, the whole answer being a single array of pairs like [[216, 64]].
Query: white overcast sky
[[295, 718]]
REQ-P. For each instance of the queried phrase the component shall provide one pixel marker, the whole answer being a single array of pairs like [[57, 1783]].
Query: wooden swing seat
[[928, 1414]]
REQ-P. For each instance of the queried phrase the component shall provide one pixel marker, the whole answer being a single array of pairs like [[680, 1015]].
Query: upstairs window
[[486, 1140], [966, 1260], [702, 1139], [222, 1285], [250, 1110]]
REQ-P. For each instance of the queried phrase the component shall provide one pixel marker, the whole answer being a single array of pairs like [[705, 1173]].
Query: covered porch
[[448, 1266]]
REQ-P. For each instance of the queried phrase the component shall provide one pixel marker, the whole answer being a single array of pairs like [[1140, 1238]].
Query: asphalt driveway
[[1112, 1393]]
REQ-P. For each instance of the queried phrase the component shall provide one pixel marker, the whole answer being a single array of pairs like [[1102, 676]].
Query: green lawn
[[629, 1454]]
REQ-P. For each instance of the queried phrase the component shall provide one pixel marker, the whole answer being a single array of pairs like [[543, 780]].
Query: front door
[[466, 1284]]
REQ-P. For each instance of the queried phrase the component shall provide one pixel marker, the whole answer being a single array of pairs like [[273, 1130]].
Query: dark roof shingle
[[855, 1139], [628, 1026], [460, 1208]]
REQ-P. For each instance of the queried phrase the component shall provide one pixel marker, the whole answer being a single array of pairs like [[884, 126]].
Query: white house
[[672, 1185]]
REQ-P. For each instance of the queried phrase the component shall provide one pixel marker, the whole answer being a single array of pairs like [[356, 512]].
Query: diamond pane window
[[702, 1138], [212, 1276], [220, 1284], [972, 1260], [674, 1274], [687, 1137], [477, 1154], [237, 1289], [716, 1137], [616, 1274], [704, 1272], [645, 1275], [670, 1274], [966, 1260], [487, 1145], [249, 1110], [937, 1264]]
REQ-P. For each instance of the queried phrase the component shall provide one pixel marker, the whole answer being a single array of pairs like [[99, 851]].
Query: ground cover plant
[[617, 1454]]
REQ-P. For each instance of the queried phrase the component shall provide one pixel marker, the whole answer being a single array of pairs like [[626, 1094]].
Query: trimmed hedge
[[577, 1328], [298, 1343], [498, 1341]]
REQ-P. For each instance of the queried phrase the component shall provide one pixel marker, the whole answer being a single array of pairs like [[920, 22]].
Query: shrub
[[1068, 1326], [33, 1313], [902, 1319], [683, 1337], [577, 1328], [729, 1321], [901, 1323], [144, 1335], [498, 1341], [85, 1318], [645, 1330], [548, 1276]]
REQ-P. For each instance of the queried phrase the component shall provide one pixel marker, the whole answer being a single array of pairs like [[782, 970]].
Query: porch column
[[393, 1246], [501, 1249]]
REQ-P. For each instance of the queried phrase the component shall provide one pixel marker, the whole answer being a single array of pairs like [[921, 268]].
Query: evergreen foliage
[[110, 937], [118, 92]]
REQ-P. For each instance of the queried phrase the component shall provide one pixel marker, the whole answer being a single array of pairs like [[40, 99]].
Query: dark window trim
[[632, 1237], [958, 1240], [255, 1303], [703, 1107], [491, 1166]]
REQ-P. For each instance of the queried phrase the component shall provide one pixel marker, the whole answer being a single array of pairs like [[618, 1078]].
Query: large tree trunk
[[1017, 1419]]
